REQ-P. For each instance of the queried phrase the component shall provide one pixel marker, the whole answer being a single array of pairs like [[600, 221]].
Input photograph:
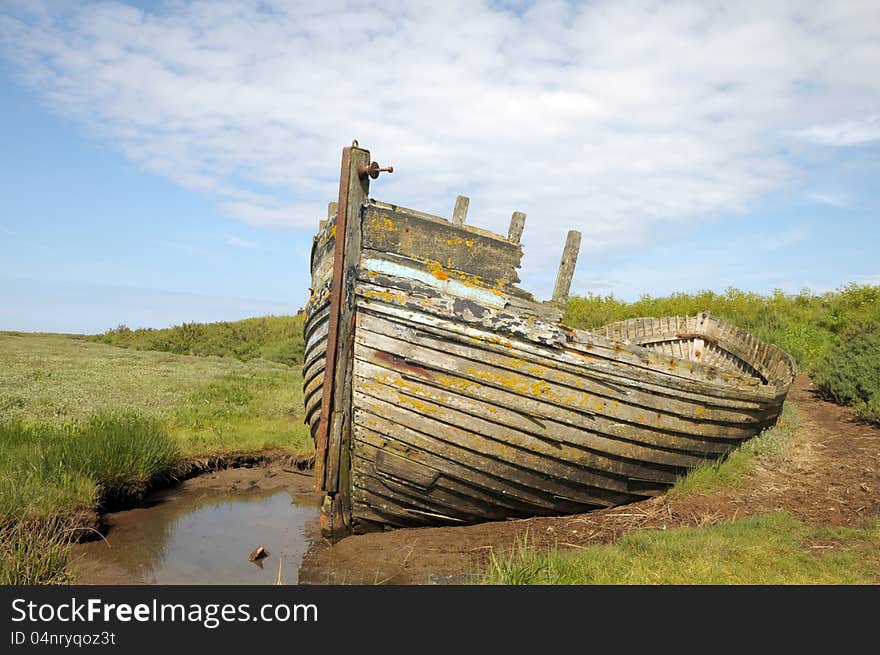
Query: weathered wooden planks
[[440, 393], [391, 229]]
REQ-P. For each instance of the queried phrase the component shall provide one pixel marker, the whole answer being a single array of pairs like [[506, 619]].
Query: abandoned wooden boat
[[438, 392]]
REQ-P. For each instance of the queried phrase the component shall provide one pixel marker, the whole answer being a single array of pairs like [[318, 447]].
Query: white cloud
[[610, 117], [847, 133]]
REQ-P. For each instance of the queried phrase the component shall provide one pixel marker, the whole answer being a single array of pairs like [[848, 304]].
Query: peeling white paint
[[448, 286]]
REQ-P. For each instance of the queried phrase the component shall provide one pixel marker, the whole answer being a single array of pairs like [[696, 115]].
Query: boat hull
[[454, 398], [461, 416]]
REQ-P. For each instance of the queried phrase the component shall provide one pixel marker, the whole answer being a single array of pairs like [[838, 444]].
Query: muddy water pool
[[203, 530]]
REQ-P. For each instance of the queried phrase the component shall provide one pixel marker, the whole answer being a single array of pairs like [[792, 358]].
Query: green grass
[[769, 447], [210, 404], [35, 553], [274, 338], [765, 549], [48, 470], [816, 329]]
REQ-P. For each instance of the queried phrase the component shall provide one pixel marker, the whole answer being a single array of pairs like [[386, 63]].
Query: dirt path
[[831, 475]]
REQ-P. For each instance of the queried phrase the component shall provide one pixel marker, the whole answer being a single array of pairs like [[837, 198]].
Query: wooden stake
[[331, 211], [460, 211], [566, 267], [517, 223]]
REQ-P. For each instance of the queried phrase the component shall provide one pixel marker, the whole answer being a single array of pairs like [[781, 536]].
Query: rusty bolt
[[373, 170]]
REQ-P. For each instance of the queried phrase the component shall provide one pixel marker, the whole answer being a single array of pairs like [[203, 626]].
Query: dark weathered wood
[[517, 224], [566, 267], [518, 466], [459, 214], [425, 305], [448, 247], [549, 437]]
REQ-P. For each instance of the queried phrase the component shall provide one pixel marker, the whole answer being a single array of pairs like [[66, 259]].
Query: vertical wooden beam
[[461, 209], [566, 267], [334, 427], [331, 211], [517, 223], [353, 190]]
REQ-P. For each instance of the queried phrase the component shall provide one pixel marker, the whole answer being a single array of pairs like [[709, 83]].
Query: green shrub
[[850, 373], [276, 338]]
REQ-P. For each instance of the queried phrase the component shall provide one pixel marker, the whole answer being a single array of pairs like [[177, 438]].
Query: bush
[[276, 338], [850, 373]]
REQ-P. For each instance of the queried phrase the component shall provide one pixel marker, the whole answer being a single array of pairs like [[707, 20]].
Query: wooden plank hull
[[469, 404]]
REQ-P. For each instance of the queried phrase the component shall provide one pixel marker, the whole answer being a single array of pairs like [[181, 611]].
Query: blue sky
[[169, 162]]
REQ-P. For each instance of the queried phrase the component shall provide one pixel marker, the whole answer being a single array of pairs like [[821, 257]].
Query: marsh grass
[[36, 552], [209, 404], [48, 470], [764, 549], [770, 446]]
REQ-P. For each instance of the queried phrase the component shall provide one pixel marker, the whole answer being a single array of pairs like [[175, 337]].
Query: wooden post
[[566, 267], [332, 436], [517, 223], [461, 209], [331, 210]]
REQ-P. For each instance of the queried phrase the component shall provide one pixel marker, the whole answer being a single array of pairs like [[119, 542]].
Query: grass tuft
[[33, 553], [768, 447]]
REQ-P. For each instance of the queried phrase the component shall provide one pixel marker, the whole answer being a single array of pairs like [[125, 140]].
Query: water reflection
[[204, 537]]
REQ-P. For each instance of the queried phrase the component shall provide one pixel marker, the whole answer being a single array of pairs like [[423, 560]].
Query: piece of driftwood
[[440, 393]]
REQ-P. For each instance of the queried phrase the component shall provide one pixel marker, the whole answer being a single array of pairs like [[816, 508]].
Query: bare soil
[[831, 475]]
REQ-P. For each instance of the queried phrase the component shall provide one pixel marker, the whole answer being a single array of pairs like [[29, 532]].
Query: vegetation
[[767, 448], [209, 404], [275, 338], [35, 553], [66, 449], [763, 549], [833, 336], [850, 372], [86, 422]]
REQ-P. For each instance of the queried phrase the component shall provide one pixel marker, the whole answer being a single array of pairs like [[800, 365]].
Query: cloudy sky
[[169, 161]]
